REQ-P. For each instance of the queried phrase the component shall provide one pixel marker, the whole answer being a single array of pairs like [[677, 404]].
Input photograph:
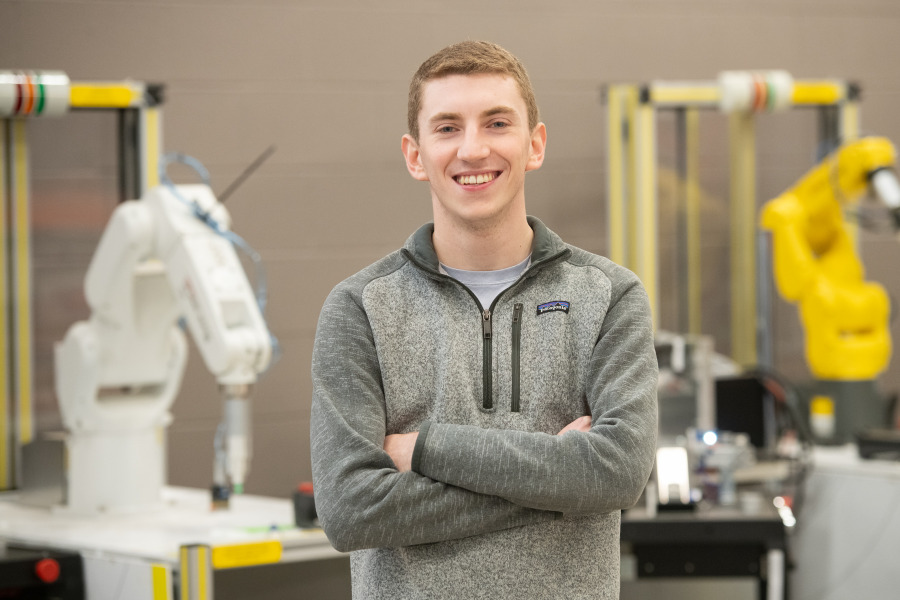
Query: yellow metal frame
[[742, 139], [819, 93], [692, 218], [6, 446], [647, 254], [632, 186], [616, 222], [632, 193], [20, 277], [16, 343], [16, 318], [683, 94], [107, 95], [151, 134], [670, 94], [123, 96]]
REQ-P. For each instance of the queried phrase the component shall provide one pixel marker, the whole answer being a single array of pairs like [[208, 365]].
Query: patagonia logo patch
[[555, 306]]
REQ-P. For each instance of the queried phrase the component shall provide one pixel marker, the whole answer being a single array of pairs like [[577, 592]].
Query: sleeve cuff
[[419, 448]]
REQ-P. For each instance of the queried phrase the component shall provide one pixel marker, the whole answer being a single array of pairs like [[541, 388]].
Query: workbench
[[176, 552], [715, 542]]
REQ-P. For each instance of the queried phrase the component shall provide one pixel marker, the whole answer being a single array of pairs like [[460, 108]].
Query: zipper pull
[[486, 324], [517, 313]]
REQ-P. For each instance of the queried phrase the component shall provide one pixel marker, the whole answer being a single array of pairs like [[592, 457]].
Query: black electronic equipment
[[744, 406], [33, 574]]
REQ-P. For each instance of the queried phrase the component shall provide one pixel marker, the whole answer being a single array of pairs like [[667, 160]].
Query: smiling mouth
[[476, 179]]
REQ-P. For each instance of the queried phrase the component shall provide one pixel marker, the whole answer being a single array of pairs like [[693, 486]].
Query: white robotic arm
[[117, 374], [209, 284]]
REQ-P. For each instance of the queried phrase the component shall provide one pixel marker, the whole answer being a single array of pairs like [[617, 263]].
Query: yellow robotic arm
[[816, 265]]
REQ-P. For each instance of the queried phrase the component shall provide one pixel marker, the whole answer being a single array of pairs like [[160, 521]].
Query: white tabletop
[[186, 518], [845, 459]]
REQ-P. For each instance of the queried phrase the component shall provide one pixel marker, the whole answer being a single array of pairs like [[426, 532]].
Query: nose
[[473, 146]]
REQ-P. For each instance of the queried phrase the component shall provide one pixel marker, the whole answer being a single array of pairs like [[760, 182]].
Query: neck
[[488, 248]]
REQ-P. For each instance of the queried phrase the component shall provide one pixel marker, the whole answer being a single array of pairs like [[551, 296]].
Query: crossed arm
[[470, 480], [362, 499], [400, 446]]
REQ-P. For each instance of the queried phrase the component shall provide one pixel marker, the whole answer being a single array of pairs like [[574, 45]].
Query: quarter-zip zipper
[[516, 337], [487, 379], [486, 318]]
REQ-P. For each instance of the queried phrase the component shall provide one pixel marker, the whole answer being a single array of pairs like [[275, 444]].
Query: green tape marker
[[42, 98]]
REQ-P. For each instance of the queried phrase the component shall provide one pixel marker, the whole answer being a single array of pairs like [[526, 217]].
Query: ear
[[538, 144], [410, 150]]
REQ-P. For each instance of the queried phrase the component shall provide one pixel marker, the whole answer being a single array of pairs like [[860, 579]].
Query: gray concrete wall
[[326, 81]]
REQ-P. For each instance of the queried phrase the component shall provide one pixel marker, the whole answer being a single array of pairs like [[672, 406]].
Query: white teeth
[[475, 179]]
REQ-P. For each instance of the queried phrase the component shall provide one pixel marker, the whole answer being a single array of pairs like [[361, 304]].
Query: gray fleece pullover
[[497, 505]]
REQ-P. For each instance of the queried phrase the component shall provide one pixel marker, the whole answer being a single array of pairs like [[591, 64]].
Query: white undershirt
[[486, 285]]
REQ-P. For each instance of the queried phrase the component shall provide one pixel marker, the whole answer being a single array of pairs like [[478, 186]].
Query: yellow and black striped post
[[196, 573]]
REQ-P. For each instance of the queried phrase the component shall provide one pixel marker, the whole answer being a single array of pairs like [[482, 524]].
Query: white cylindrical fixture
[[33, 93], [745, 91]]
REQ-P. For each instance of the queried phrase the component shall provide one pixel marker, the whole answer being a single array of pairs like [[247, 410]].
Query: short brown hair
[[468, 58]]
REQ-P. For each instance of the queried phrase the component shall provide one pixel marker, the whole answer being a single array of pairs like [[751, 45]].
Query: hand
[[399, 447], [579, 424]]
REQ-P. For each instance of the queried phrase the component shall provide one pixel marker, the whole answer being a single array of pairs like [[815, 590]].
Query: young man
[[484, 399]]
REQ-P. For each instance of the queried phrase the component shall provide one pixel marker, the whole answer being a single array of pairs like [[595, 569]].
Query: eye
[[446, 129], [499, 124]]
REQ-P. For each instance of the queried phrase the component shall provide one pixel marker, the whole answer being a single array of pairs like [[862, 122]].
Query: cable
[[786, 394], [184, 159]]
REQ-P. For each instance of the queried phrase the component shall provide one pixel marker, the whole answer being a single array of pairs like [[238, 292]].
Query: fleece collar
[[545, 246]]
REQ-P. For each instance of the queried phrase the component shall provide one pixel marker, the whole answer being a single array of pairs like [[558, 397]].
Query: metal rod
[[247, 173]]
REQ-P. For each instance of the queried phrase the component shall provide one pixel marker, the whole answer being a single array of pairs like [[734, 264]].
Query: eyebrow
[[498, 110], [448, 116]]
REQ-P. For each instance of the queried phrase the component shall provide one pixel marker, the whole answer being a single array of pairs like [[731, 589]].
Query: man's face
[[474, 148]]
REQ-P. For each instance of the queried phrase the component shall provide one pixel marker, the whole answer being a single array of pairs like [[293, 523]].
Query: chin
[[481, 219]]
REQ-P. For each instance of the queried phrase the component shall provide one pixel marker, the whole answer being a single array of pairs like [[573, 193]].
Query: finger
[[579, 424]]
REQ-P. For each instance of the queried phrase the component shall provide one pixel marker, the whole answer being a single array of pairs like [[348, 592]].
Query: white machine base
[[132, 476], [848, 533]]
